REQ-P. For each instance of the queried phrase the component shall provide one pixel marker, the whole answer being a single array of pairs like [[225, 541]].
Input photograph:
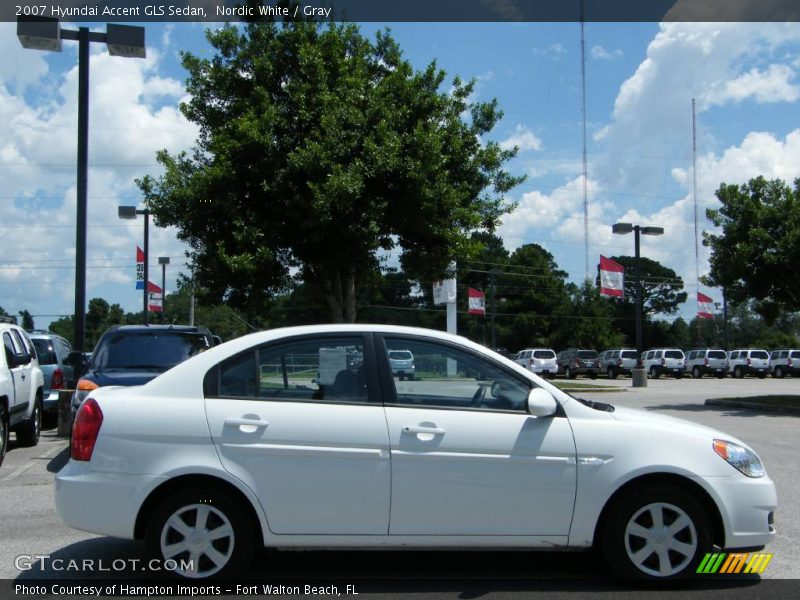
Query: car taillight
[[85, 429], [748, 361], [57, 380], [530, 362], [789, 364], [619, 362], [663, 362], [705, 361]]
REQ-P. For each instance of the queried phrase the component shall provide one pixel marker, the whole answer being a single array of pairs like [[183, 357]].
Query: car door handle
[[233, 422], [23, 376], [419, 429]]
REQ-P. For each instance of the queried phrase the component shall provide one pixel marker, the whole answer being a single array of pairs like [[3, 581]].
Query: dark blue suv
[[134, 354]]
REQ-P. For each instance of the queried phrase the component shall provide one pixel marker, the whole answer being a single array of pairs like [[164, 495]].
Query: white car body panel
[[341, 453]]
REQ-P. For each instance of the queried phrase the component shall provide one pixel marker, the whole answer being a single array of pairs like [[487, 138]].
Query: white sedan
[[302, 437]]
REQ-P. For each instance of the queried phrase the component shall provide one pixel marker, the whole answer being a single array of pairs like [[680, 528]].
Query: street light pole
[[130, 212], [163, 261], [43, 33]]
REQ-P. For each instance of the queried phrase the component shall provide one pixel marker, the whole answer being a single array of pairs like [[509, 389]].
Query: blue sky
[[641, 79]]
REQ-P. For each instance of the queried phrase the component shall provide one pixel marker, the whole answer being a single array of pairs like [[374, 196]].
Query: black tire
[[720, 375], [236, 549], [654, 374], [593, 375], [636, 509], [612, 373], [762, 375], [738, 373], [779, 373], [3, 432], [30, 430], [569, 374], [696, 373], [678, 375]]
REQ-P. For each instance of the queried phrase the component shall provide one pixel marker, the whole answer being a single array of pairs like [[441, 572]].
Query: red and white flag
[[155, 299], [476, 302], [705, 306], [139, 268], [612, 278]]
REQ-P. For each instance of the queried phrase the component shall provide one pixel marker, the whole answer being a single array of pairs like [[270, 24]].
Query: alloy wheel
[[200, 534], [661, 539]]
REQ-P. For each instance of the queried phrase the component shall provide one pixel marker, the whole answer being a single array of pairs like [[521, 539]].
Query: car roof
[[157, 328]]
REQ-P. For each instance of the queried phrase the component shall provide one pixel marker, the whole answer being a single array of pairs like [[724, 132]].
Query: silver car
[[707, 361], [541, 361], [617, 362], [402, 363]]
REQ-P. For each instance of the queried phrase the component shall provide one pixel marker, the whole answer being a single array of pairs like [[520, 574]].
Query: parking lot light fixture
[[44, 33], [130, 212], [163, 261], [623, 228]]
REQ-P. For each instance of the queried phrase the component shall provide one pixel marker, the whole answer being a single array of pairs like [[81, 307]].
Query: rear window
[[716, 354], [45, 351], [673, 354], [153, 350], [587, 354], [400, 355], [629, 354], [544, 354], [759, 354]]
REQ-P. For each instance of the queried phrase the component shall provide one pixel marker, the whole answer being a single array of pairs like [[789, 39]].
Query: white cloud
[[523, 138], [600, 53], [771, 85], [553, 51]]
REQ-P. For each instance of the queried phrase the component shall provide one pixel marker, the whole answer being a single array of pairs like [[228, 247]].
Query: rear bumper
[[50, 404], [105, 503]]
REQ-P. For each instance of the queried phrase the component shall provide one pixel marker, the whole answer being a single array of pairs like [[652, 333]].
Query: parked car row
[[660, 361]]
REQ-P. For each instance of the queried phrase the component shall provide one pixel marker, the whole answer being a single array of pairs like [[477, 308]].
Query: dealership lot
[[30, 526]]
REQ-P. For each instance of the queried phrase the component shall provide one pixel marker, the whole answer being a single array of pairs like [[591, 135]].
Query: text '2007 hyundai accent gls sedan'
[[303, 437]]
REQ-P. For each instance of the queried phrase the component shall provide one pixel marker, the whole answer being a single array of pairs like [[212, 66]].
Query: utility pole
[[492, 273], [696, 235]]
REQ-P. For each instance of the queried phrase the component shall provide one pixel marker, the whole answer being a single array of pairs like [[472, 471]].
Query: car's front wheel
[[658, 534], [203, 533]]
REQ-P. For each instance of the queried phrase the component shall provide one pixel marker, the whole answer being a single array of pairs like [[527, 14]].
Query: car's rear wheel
[[657, 534], [612, 373], [653, 373], [738, 373], [3, 432], [696, 373], [779, 373], [568, 373], [204, 532], [29, 431]]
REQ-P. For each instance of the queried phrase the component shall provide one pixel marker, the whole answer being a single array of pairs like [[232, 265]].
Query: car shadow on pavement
[[58, 461], [463, 574]]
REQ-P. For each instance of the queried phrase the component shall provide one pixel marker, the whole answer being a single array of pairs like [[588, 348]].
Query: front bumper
[[746, 505], [99, 502]]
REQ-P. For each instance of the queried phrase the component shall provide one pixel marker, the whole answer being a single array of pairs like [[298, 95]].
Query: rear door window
[[760, 354], [716, 354], [46, 351], [673, 354]]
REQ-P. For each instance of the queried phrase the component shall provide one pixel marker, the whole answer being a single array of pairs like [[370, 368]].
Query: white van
[[664, 361], [748, 362]]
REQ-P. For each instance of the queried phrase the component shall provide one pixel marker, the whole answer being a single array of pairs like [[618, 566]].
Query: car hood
[[664, 422], [122, 377]]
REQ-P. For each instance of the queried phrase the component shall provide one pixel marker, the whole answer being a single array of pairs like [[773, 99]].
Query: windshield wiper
[[596, 405]]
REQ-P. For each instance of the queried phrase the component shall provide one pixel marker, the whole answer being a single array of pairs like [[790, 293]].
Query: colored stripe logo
[[733, 563]]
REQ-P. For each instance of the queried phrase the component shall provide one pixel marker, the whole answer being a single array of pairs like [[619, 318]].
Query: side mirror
[[78, 361], [17, 360], [541, 403]]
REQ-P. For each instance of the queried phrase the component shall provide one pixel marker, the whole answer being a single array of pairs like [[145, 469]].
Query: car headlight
[[83, 389], [743, 459]]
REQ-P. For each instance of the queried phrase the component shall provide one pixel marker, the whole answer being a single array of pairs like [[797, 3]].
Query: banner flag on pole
[[154, 297], [705, 306], [612, 278], [476, 300], [139, 268], [444, 292]]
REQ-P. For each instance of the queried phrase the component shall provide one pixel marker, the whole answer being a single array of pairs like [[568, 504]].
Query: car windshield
[[673, 354], [716, 354], [150, 350], [400, 355], [544, 354], [629, 354], [45, 351], [759, 354], [587, 354]]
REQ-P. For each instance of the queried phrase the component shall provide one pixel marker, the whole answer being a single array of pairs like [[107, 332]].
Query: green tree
[[319, 149], [757, 254], [27, 320], [587, 322]]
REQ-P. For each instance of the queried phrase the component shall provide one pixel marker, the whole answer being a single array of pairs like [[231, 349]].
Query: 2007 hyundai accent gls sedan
[[302, 437]]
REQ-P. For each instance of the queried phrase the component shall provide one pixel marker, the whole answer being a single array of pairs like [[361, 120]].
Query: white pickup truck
[[21, 389]]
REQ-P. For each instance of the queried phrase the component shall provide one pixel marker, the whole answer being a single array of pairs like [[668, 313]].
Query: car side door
[[467, 458], [302, 423], [20, 375]]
